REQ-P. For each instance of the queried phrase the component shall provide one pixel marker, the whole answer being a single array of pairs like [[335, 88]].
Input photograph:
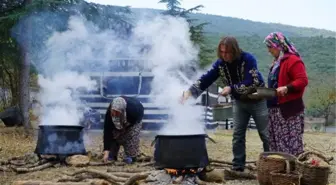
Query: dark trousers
[[242, 113]]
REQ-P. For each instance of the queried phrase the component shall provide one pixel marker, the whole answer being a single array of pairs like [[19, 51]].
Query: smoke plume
[[77, 46]]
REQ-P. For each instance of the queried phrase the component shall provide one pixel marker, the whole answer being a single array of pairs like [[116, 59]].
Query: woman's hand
[[106, 156], [282, 91], [185, 96]]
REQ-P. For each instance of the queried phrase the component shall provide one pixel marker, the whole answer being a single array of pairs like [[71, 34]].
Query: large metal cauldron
[[181, 151], [60, 140]]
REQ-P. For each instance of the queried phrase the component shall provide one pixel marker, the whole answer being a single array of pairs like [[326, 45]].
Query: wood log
[[122, 174], [216, 175], [146, 164], [53, 183], [38, 163], [233, 175], [77, 178], [93, 163], [37, 168], [136, 177], [4, 162], [199, 181], [178, 180], [144, 159], [17, 162], [110, 178], [127, 170], [227, 162], [5, 169]]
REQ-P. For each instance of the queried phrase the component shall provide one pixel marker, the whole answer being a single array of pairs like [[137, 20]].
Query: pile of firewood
[[31, 162], [120, 174]]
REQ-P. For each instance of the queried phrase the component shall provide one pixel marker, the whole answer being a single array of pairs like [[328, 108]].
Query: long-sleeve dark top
[[241, 75], [134, 115]]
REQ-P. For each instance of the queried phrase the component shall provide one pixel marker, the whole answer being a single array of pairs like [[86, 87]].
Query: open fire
[[184, 176]]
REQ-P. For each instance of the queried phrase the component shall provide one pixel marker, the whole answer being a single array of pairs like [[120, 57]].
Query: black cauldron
[[60, 140], [181, 151]]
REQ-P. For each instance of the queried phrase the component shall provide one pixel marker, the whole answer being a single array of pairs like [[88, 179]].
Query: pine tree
[[196, 29]]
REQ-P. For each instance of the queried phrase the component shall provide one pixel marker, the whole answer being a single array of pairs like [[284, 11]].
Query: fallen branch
[[37, 168], [127, 170], [136, 178], [92, 163], [5, 169], [110, 178], [58, 183], [38, 163], [4, 162], [178, 180], [199, 181], [227, 162], [146, 164], [232, 175], [17, 162], [122, 174], [144, 159], [77, 178]]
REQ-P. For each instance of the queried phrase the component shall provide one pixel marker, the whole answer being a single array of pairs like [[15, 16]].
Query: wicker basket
[[288, 177], [265, 165], [312, 175]]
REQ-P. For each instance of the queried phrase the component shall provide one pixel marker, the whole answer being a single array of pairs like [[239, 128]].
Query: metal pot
[[181, 151], [263, 93], [60, 140], [222, 112]]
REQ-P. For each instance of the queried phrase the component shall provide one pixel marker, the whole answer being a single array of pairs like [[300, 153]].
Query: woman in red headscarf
[[286, 111]]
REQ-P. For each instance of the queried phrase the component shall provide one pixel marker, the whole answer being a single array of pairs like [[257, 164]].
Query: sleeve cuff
[[290, 88]]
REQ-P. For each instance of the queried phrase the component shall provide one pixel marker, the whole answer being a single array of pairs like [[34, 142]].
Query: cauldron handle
[[153, 142], [210, 139]]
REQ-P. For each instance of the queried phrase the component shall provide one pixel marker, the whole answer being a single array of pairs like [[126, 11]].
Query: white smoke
[[169, 39], [170, 47], [66, 53]]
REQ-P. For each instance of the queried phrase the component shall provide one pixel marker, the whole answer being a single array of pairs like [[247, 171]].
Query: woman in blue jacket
[[239, 73]]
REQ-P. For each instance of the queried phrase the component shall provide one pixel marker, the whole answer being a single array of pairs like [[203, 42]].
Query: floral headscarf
[[281, 42], [119, 104]]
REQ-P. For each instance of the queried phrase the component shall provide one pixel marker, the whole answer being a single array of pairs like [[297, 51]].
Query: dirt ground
[[13, 143]]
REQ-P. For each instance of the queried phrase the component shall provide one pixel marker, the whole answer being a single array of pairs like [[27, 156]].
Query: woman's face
[[274, 52]]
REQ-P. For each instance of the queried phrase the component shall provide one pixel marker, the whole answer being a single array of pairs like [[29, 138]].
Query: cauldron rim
[[181, 135]]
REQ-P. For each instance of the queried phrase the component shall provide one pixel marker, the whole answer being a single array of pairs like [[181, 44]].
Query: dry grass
[[14, 143]]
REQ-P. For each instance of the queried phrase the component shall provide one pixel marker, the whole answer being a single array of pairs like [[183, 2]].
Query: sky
[[305, 13]]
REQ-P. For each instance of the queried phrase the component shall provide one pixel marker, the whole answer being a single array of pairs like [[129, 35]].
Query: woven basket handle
[[303, 155], [287, 166]]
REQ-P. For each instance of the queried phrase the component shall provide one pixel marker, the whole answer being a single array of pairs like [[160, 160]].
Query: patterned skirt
[[130, 140], [285, 135]]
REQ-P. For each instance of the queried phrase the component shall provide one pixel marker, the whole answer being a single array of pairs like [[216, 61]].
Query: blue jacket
[[247, 73]]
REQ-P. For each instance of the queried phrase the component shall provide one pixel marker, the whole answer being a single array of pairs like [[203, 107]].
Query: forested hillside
[[240, 27], [316, 46]]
